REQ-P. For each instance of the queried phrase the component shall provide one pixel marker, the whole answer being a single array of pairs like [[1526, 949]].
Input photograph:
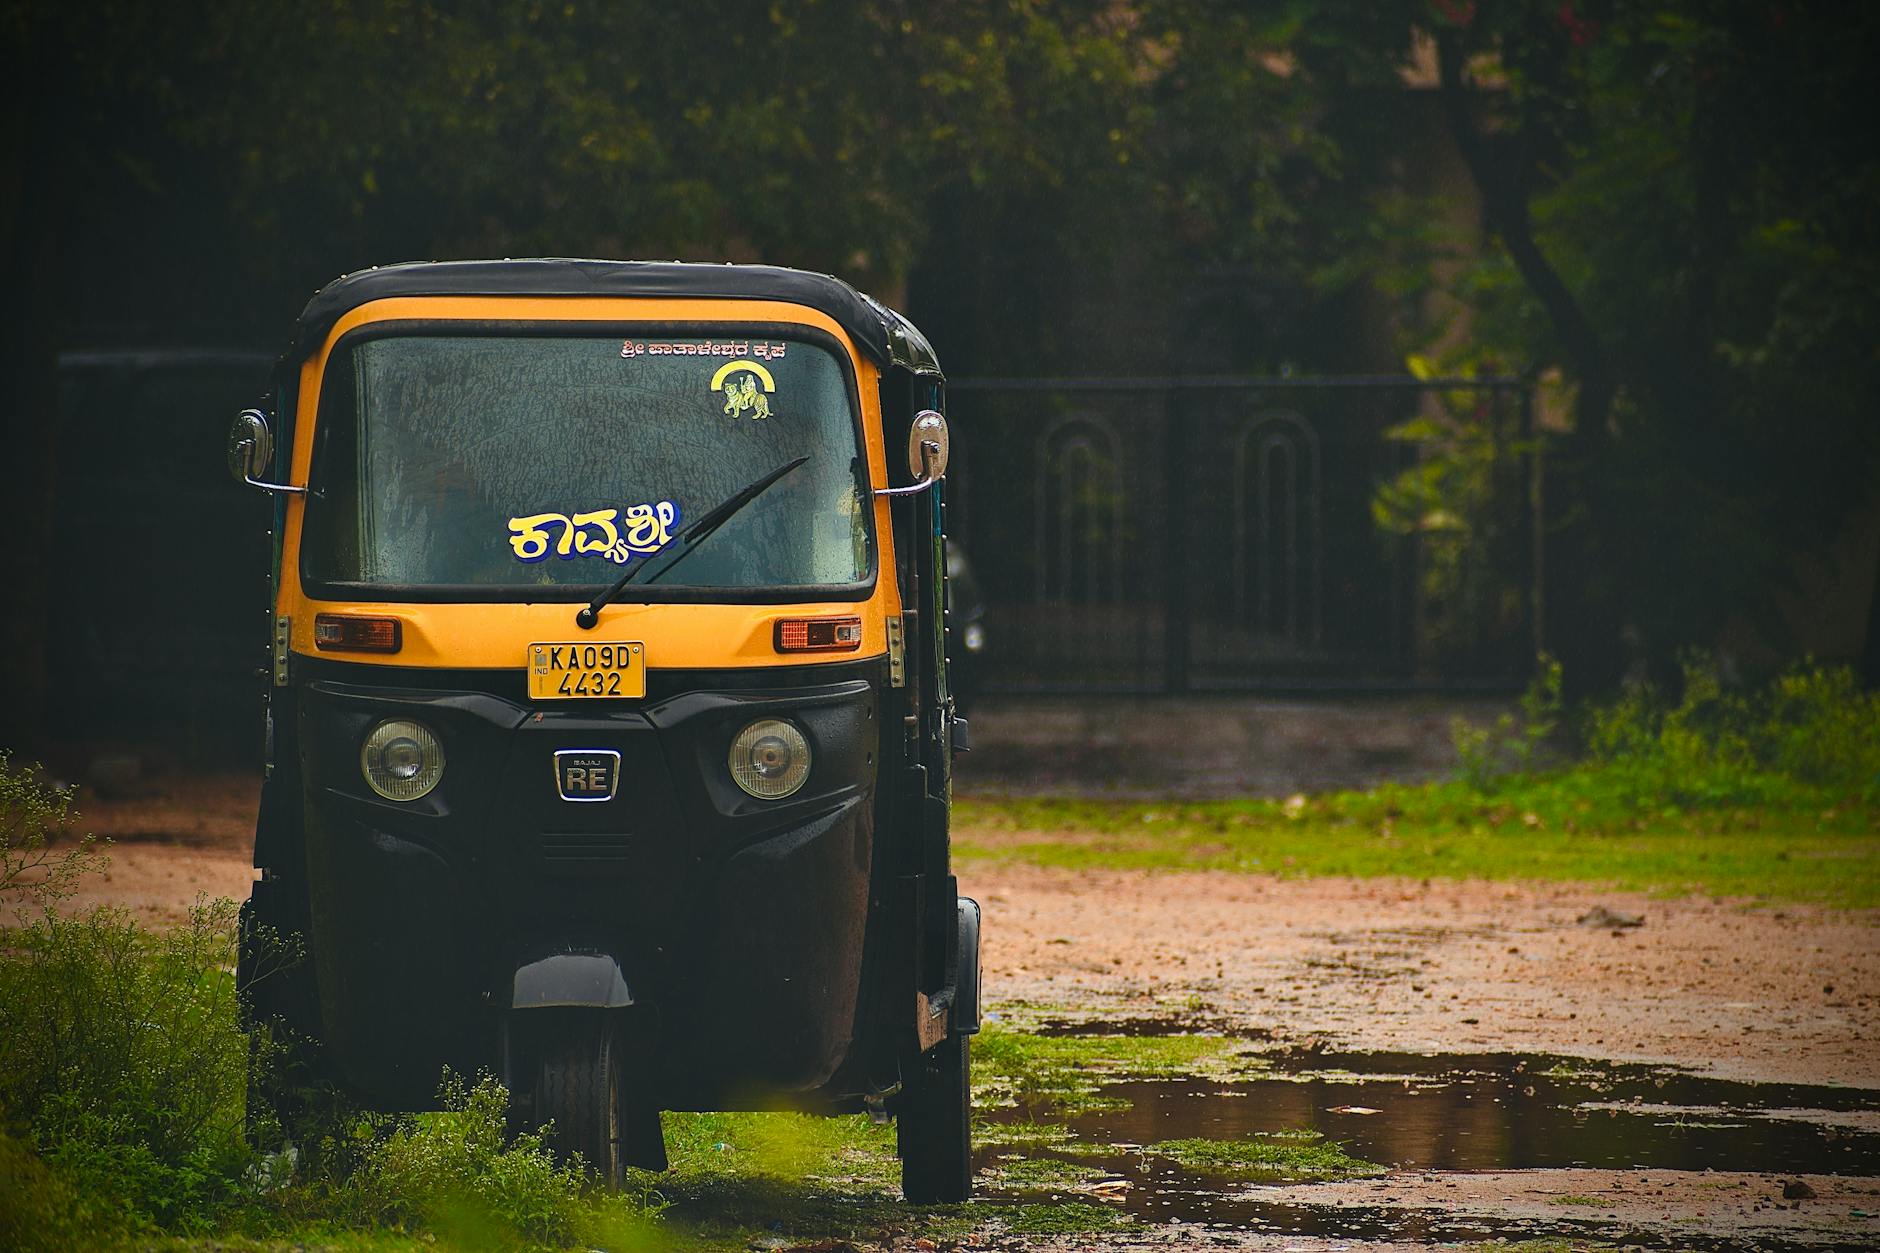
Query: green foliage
[[1511, 746], [41, 1209], [35, 873], [1811, 733], [121, 1062], [1287, 1157], [1462, 500], [459, 1173]]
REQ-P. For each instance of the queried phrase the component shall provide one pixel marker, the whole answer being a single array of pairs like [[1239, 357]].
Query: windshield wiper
[[677, 549]]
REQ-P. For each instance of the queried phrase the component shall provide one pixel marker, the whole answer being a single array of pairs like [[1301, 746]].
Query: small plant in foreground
[[459, 1174]]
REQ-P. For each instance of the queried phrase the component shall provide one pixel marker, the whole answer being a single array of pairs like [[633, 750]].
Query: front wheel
[[578, 1087], [934, 1126]]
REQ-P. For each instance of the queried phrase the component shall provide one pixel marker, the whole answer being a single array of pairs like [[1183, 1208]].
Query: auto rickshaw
[[609, 737]]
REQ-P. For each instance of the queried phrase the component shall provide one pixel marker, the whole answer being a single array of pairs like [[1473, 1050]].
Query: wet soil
[[1499, 1147], [1562, 1209]]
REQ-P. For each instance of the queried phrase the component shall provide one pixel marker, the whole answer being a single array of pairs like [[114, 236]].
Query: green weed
[[1287, 1157], [1023, 1134], [1065, 1074], [1039, 1174]]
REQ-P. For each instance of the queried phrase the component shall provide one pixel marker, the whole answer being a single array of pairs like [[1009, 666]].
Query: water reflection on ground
[[1487, 1112]]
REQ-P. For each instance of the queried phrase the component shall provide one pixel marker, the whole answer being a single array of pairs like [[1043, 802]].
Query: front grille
[[584, 850]]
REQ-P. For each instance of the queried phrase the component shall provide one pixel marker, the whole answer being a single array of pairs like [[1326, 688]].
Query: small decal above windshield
[[619, 535], [739, 381], [761, 349]]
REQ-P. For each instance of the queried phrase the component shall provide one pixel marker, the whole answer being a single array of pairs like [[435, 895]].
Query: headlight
[[770, 759], [974, 637], [402, 760]]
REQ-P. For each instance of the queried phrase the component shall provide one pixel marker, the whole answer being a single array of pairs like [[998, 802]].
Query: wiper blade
[[682, 545]]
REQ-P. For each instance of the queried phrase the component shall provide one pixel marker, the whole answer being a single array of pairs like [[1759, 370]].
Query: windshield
[[546, 465]]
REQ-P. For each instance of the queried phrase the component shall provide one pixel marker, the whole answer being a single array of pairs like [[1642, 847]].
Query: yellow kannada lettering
[[530, 541], [603, 519]]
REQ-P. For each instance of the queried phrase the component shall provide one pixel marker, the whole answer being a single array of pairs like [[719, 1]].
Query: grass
[[1026, 1134], [1039, 1174], [1772, 793], [1829, 855], [1284, 1157], [1064, 1075]]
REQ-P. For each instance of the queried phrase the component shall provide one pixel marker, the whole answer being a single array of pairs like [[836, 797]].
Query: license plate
[[586, 671]]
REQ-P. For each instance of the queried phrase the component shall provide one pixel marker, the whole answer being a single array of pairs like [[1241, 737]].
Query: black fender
[[966, 980], [570, 981]]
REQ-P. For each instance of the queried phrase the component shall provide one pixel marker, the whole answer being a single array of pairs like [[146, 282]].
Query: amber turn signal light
[[344, 633], [819, 635]]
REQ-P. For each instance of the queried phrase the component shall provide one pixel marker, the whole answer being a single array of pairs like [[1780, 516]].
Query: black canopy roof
[[877, 330]]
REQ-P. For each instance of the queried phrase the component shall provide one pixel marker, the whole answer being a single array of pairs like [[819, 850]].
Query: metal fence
[[1194, 534]]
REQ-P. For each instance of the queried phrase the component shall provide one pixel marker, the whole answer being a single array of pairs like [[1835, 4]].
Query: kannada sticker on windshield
[[583, 671], [619, 535]]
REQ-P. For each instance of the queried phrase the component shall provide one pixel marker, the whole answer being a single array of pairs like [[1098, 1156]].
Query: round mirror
[[250, 446], [929, 428]]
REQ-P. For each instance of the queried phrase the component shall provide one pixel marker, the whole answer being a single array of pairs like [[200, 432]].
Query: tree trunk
[[1585, 624]]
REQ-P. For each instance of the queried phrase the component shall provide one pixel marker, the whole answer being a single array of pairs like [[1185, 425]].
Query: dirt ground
[[1758, 994], [1763, 995]]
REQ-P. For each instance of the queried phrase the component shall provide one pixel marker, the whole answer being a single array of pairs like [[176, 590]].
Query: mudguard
[[966, 987], [571, 981]]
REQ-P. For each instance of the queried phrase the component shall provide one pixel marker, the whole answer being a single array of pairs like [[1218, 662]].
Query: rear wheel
[[933, 1128], [578, 1086]]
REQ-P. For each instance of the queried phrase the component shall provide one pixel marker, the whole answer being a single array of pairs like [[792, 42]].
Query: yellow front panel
[[676, 636], [687, 637]]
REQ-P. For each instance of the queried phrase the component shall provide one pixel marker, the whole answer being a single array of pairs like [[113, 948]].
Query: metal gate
[[1192, 534]]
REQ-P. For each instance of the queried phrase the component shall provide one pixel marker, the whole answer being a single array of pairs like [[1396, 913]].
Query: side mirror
[[928, 445], [251, 452]]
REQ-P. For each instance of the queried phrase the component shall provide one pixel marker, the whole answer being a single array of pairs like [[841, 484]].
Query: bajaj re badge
[[587, 774]]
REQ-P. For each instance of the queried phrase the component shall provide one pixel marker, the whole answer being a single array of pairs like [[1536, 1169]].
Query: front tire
[[578, 1086], [934, 1126]]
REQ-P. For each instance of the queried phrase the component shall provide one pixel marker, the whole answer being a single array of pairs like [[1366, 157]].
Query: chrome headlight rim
[[402, 759], [769, 759]]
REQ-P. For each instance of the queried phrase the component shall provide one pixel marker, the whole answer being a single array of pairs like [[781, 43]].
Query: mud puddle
[[1491, 1112], [1502, 1112]]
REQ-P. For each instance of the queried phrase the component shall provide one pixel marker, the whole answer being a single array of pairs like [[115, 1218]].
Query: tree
[[1682, 196]]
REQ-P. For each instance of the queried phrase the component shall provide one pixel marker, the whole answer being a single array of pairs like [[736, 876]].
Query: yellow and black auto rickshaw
[[609, 738]]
